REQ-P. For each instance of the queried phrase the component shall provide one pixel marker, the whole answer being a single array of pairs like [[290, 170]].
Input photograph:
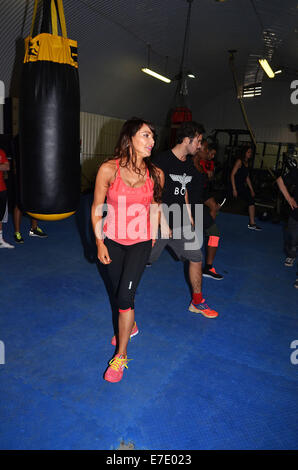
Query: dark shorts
[[212, 231], [245, 195], [186, 246]]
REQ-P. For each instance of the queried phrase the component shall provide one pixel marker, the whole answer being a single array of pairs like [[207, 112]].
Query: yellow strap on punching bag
[[33, 17], [54, 18], [51, 47], [62, 18]]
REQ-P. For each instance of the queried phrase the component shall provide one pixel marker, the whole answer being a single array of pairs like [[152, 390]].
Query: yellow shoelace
[[118, 362]]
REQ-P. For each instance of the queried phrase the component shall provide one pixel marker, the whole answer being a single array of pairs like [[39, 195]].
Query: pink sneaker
[[134, 332], [114, 372]]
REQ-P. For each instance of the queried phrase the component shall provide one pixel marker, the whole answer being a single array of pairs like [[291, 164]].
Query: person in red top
[[4, 166], [207, 163], [130, 183], [203, 161]]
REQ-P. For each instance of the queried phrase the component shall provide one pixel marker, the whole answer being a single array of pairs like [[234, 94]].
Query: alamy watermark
[[294, 355], [136, 222], [2, 353], [294, 94]]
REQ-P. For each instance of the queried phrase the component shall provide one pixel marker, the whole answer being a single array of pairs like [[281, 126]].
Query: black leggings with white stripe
[[126, 269]]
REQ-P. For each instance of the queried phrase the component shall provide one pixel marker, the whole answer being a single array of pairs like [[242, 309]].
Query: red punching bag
[[179, 115]]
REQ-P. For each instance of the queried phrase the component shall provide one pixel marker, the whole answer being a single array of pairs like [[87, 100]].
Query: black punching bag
[[50, 120]]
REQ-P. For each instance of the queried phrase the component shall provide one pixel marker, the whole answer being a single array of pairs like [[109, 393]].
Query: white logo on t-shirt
[[183, 180]]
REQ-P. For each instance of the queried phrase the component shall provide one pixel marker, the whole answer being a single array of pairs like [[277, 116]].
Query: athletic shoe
[[203, 309], [254, 227], [18, 237], [148, 265], [134, 332], [289, 262], [37, 233], [114, 372], [4, 244], [213, 274], [296, 284]]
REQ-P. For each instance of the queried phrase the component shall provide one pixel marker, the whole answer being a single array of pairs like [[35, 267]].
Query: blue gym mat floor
[[193, 383]]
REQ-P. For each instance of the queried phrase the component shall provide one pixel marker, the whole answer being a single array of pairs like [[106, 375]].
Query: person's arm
[[103, 179], [233, 173], [291, 201], [188, 207], [155, 210]]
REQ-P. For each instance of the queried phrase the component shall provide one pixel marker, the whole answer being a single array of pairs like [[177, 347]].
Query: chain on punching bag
[[50, 120]]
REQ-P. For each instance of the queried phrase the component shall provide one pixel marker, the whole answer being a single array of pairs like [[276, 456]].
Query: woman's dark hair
[[125, 151], [243, 151]]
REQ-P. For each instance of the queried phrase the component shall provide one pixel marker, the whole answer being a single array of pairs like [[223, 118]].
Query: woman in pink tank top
[[128, 186]]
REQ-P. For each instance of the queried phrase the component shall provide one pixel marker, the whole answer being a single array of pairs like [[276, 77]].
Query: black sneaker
[[289, 262], [212, 273], [37, 233], [254, 227], [18, 237], [148, 265]]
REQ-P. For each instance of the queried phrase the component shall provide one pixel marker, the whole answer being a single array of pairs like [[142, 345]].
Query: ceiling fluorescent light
[[156, 75], [278, 71], [266, 67]]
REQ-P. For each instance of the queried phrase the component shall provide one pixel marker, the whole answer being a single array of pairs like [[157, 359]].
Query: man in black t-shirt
[[284, 184], [179, 172]]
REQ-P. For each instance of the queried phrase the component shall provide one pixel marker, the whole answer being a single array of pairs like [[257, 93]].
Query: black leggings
[[126, 269], [245, 194]]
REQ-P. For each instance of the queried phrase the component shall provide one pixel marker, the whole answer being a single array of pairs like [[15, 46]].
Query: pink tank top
[[128, 219]]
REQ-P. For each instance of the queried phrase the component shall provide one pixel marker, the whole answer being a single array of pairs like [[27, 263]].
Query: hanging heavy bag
[[179, 115], [50, 120]]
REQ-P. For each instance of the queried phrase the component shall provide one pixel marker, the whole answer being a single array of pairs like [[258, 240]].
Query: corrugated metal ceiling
[[112, 37]]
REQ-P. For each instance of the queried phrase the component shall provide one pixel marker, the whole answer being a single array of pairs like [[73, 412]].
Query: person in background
[[34, 231], [200, 194], [290, 180], [4, 166], [241, 186]]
